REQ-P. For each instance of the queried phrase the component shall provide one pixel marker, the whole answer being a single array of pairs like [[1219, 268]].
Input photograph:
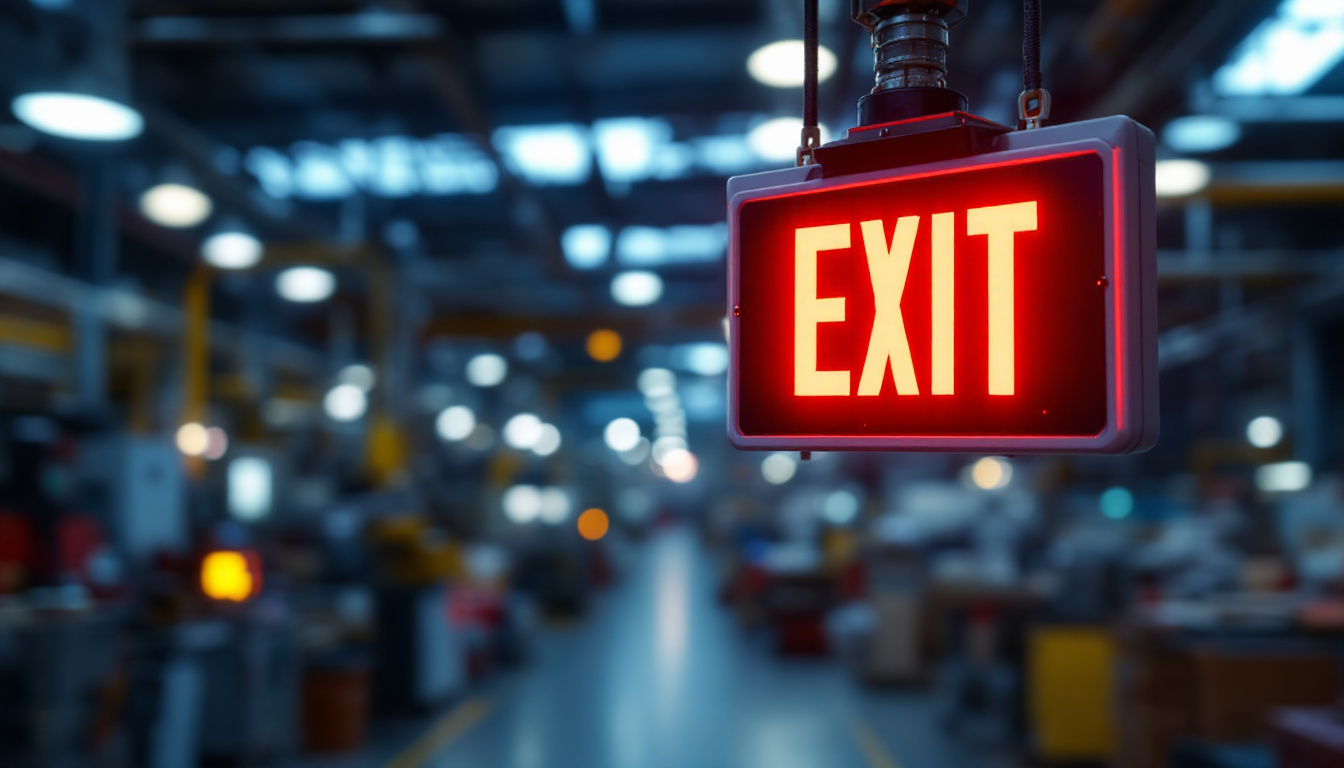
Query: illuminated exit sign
[[998, 303]]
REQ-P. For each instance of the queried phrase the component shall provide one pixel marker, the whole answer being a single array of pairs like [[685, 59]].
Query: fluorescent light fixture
[[780, 64], [454, 423], [232, 250], [272, 170], [390, 166], [1283, 477], [1201, 133], [586, 246], [621, 434], [690, 244], [636, 288], [345, 403], [990, 474], [1264, 432], [305, 285], [628, 148], [487, 370], [777, 140], [705, 358], [1116, 503], [680, 466], [1180, 178], [523, 431], [549, 441], [78, 116], [840, 507], [175, 205], [1288, 53], [451, 164], [193, 439], [546, 154], [359, 374], [779, 468], [319, 172], [522, 503], [249, 488]]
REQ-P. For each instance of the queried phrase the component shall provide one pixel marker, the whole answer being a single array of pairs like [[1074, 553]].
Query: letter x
[[887, 270]]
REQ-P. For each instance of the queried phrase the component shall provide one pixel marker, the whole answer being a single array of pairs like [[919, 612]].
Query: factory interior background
[[363, 400]]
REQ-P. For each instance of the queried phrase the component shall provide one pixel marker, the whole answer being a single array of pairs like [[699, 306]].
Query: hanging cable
[[1033, 105], [811, 137]]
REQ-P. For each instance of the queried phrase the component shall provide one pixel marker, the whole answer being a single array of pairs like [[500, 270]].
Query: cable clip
[[811, 139], [1033, 107]]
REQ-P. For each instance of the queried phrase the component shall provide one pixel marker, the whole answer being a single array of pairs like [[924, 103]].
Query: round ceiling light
[[345, 402], [637, 288], [455, 423], [175, 205], [1264, 432], [991, 474], [487, 370], [1179, 178], [232, 250], [621, 434], [305, 285], [78, 116], [780, 64]]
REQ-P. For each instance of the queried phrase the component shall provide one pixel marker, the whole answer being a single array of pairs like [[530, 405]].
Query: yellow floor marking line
[[447, 730], [874, 753]]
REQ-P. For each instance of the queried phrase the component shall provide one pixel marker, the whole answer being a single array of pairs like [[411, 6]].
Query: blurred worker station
[[373, 390]]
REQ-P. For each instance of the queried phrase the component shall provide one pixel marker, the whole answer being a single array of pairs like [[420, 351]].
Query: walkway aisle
[[661, 677]]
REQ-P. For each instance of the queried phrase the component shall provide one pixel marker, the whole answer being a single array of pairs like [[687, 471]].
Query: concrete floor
[[660, 676]]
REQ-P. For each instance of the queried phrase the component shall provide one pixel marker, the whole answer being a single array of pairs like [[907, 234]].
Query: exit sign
[[998, 303]]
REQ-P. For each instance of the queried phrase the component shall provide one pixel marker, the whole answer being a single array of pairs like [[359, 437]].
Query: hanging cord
[[811, 137], [1033, 105]]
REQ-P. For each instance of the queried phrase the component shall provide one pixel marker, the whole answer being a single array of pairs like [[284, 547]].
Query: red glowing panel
[[954, 309]]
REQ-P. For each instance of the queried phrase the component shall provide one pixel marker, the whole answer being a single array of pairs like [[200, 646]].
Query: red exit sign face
[[988, 305]]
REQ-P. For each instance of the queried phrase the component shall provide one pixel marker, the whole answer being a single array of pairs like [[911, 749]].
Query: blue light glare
[[706, 358], [688, 244], [586, 246], [390, 166], [1288, 53], [555, 154], [1117, 503], [1201, 133]]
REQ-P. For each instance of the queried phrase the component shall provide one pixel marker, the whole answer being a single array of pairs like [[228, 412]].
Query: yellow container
[[1071, 685]]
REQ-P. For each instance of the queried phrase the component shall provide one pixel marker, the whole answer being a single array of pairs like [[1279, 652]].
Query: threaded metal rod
[[910, 51]]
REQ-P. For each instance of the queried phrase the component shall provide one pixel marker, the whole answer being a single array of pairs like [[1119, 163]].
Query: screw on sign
[[1000, 301]]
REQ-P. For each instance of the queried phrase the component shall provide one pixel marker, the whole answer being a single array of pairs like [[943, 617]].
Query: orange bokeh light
[[593, 524], [604, 345]]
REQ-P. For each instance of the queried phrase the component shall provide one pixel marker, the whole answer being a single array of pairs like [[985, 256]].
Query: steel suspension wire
[[811, 136], [1031, 45], [1033, 106]]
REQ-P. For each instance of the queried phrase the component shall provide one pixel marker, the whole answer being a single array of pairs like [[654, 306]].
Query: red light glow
[[954, 303]]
